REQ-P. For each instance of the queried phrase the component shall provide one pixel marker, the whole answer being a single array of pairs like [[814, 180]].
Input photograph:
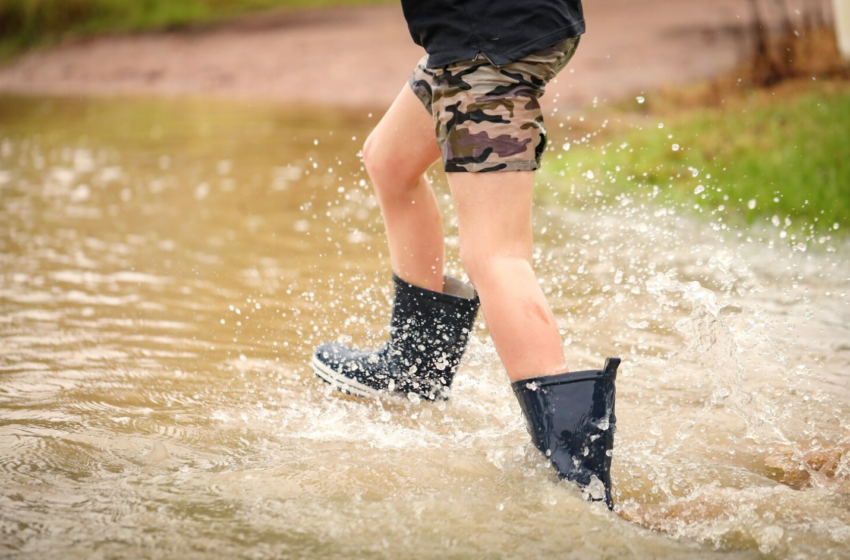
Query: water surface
[[167, 267]]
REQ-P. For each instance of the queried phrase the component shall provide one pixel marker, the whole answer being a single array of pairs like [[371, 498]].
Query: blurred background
[[184, 215], [358, 53]]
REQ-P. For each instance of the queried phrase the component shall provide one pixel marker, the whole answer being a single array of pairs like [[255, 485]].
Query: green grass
[[762, 157], [28, 23]]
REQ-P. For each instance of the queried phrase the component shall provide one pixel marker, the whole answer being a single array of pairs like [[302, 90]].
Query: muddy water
[[167, 267]]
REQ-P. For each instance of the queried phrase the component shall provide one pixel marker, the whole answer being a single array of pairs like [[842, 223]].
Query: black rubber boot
[[571, 420], [428, 335]]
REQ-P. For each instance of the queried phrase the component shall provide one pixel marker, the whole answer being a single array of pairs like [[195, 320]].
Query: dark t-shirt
[[502, 30]]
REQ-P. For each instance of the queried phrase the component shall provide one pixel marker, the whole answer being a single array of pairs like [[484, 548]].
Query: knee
[[485, 264], [477, 263], [390, 174]]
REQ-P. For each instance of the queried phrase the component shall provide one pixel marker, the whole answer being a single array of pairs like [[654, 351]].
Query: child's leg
[[494, 218], [428, 331], [396, 156]]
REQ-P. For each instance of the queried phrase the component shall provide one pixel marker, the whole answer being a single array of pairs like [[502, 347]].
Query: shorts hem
[[493, 166]]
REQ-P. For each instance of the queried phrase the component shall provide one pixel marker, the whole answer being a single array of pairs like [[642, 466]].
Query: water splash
[[155, 395]]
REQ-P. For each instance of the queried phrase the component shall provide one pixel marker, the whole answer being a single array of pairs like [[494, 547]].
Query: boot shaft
[[571, 420], [429, 332]]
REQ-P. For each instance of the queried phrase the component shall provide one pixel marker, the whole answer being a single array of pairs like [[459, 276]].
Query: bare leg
[[494, 218], [396, 155]]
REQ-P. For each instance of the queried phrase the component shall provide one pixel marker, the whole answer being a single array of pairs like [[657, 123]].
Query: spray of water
[[157, 304]]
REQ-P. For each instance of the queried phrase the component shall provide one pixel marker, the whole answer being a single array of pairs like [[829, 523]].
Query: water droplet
[[80, 194], [202, 191]]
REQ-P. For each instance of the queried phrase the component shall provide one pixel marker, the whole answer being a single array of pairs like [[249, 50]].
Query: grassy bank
[[782, 156], [28, 23]]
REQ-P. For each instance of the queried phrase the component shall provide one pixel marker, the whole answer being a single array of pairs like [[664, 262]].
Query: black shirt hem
[[435, 60]]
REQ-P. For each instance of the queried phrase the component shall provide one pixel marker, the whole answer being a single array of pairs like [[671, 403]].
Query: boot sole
[[342, 383]]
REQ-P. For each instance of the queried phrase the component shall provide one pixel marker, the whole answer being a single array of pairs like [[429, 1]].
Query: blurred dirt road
[[361, 57]]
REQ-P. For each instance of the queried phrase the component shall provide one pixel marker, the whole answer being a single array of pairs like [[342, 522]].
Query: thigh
[[404, 139], [489, 117]]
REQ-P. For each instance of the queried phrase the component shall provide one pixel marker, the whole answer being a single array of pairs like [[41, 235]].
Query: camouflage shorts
[[487, 117]]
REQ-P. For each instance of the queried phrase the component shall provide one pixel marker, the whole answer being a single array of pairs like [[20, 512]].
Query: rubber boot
[[428, 335], [571, 421]]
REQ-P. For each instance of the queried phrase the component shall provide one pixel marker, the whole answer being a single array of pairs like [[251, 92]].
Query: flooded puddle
[[167, 267]]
